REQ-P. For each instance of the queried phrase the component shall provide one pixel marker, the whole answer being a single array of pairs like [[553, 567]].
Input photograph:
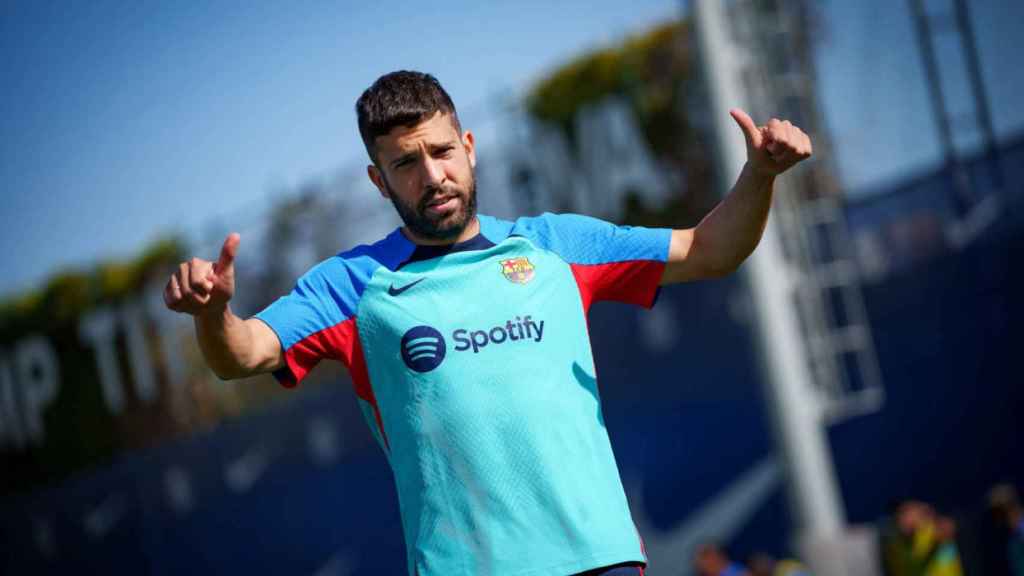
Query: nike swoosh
[[392, 291]]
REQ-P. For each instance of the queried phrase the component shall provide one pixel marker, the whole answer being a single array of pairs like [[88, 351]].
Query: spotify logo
[[423, 348]]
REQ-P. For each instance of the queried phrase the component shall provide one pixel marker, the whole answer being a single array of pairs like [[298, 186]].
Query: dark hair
[[402, 98]]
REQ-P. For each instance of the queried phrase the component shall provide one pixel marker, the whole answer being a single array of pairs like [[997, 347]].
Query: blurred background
[[850, 399]]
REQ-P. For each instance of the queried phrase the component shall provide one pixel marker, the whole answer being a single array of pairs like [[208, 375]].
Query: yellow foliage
[[641, 67], [69, 293]]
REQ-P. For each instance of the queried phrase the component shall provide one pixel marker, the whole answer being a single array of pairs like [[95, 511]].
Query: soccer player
[[466, 339]]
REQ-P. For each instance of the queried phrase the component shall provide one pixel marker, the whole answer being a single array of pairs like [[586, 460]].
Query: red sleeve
[[632, 282]]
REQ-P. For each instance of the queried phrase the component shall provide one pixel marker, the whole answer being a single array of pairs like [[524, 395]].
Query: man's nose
[[433, 173]]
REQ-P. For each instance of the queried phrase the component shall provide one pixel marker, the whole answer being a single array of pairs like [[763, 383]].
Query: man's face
[[427, 173]]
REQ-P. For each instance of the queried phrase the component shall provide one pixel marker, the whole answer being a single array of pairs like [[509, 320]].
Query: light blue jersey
[[473, 366]]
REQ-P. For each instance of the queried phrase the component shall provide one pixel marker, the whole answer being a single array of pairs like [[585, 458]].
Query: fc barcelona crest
[[518, 270]]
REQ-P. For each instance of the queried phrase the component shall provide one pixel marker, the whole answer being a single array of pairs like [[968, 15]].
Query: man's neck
[[471, 230]]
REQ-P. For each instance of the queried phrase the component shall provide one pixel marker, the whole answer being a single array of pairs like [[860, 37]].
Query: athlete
[[466, 339]]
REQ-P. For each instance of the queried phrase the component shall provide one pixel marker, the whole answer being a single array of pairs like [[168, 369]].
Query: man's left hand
[[773, 148]]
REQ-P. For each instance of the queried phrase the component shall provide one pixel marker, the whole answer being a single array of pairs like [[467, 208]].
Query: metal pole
[[797, 413], [962, 193], [963, 19]]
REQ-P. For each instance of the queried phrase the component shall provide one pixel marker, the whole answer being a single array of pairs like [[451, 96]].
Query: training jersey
[[473, 367]]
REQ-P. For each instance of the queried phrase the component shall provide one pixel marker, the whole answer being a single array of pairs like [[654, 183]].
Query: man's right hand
[[199, 287], [232, 347]]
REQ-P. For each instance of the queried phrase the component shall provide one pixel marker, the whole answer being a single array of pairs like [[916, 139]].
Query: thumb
[[227, 253], [750, 131]]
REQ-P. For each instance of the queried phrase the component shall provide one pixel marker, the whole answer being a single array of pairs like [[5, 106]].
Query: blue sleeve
[[317, 319], [309, 321], [585, 240], [324, 296]]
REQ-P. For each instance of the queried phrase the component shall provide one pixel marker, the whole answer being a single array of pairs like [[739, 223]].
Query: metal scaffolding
[[974, 212], [811, 322]]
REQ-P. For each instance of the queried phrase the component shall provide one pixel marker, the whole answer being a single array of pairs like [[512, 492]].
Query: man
[[466, 340]]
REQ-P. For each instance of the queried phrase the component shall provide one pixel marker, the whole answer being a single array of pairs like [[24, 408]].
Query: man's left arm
[[730, 232]]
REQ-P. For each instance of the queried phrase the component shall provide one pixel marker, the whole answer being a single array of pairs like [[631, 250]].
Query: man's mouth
[[442, 205]]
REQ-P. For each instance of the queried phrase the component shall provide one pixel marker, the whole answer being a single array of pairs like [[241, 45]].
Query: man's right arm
[[232, 347], [236, 348]]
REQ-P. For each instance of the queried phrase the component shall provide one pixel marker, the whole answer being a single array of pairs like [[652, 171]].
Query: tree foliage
[[655, 72], [68, 294]]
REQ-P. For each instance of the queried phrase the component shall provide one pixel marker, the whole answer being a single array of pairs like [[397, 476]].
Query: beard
[[437, 227]]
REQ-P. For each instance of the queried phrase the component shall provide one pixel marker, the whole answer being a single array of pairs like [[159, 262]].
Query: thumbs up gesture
[[200, 286], [773, 148]]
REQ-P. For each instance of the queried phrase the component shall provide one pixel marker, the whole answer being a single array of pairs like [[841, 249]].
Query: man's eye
[[445, 152]]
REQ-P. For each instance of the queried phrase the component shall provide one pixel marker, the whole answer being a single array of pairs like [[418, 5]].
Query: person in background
[[761, 564], [917, 541], [897, 539], [944, 557], [790, 567], [1005, 506], [711, 560]]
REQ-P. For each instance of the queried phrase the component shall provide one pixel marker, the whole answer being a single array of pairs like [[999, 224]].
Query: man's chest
[[473, 343], [456, 312]]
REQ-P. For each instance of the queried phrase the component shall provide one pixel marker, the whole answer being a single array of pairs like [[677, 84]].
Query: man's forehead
[[437, 129]]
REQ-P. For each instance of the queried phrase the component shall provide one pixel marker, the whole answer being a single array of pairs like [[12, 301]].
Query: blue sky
[[124, 121], [874, 92]]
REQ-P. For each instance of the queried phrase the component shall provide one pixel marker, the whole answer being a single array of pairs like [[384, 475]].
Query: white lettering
[[138, 352], [169, 326], [11, 428], [615, 159], [39, 378], [97, 329]]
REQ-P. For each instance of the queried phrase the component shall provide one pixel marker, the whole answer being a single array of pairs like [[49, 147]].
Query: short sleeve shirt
[[473, 366]]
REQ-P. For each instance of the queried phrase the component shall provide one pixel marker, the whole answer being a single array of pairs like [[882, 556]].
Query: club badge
[[518, 270]]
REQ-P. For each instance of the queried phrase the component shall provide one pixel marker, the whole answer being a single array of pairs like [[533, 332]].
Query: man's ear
[[469, 143], [378, 180]]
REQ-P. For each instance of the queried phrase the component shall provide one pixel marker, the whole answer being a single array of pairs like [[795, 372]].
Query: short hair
[[402, 98]]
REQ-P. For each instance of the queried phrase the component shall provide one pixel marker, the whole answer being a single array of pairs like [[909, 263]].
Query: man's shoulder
[[388, 251], [356, 265], [550, 229], [556, 221], [583, 239], [494, 229]]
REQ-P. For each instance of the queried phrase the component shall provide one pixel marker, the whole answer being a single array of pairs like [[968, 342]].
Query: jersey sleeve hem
[[284, 375]]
